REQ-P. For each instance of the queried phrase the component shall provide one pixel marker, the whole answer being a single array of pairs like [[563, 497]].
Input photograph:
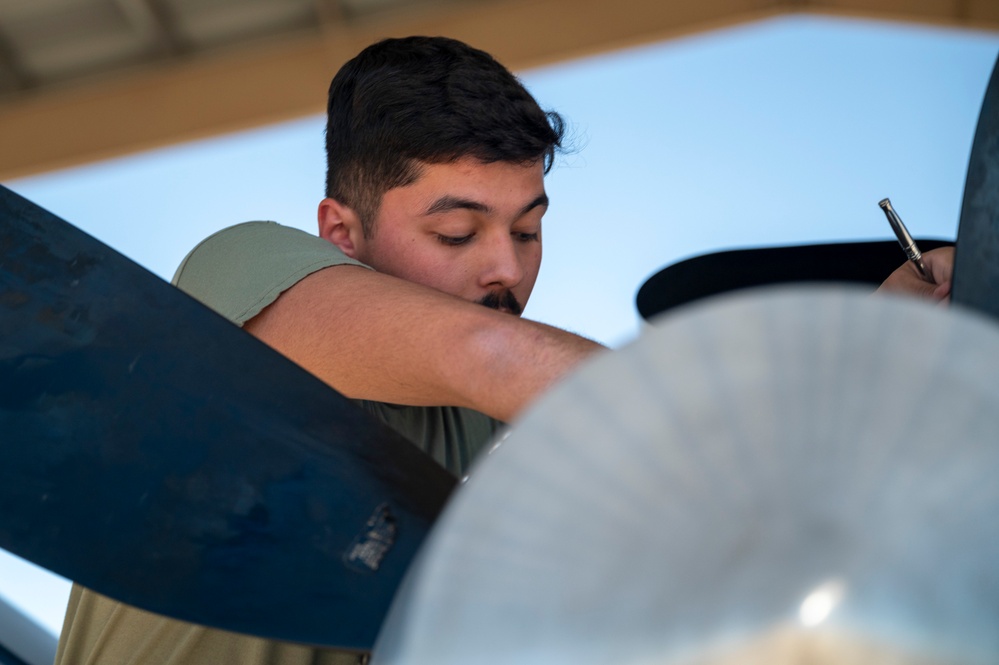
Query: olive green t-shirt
[[238, 272]]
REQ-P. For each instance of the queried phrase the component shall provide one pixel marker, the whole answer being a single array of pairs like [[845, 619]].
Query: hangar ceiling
[[82, 80]]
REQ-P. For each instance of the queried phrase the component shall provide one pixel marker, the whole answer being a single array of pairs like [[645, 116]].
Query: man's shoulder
[[243, 268], [248, 241]]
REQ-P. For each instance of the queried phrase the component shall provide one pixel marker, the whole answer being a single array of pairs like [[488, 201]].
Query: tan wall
[[283, 79]]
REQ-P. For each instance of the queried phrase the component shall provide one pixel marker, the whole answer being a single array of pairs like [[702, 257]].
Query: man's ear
[[341, 226]]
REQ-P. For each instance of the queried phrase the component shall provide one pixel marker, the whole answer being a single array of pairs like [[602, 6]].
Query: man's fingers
[[907, 279], [940, 263]]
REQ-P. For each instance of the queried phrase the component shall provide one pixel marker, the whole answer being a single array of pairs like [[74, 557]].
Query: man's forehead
[[474, 174], [506, 188]]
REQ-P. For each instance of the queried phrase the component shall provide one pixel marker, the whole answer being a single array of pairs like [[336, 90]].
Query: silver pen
[[904, 239]]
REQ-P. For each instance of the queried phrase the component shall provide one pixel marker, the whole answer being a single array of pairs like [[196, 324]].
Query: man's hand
[[907, 280]]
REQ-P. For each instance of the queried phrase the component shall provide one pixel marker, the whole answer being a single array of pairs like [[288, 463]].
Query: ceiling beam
[[196, 97], [13, 75], [155, 18]]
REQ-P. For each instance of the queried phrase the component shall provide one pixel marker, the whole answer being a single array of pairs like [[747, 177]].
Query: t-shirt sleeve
[[244, 268]]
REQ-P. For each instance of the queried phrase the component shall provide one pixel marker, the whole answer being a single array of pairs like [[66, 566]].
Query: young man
[[435, 195]]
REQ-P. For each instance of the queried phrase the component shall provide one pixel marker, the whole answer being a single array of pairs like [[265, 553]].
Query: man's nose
[[502, 264]]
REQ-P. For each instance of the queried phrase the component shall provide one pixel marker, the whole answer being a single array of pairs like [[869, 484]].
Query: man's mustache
[[502, 300]]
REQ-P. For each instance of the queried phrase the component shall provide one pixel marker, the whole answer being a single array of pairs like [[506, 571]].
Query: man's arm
[[372, 336]]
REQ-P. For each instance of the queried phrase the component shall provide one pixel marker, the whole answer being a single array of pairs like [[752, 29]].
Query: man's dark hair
[[426, 99]]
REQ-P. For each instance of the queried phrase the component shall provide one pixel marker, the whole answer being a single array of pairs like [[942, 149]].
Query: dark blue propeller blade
[[976, 259], [156, 453]]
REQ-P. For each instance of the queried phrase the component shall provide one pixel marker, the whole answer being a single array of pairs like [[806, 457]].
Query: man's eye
[[453, 241], [526, 237]]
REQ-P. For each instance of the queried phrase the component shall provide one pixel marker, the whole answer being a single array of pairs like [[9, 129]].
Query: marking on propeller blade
[[369, 548]]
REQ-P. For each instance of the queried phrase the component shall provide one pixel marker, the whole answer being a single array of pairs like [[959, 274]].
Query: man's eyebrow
[[540, 201], [448, 203]]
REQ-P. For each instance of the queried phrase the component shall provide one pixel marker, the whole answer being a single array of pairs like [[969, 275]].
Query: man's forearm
[[519, 360], [379, 338]]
